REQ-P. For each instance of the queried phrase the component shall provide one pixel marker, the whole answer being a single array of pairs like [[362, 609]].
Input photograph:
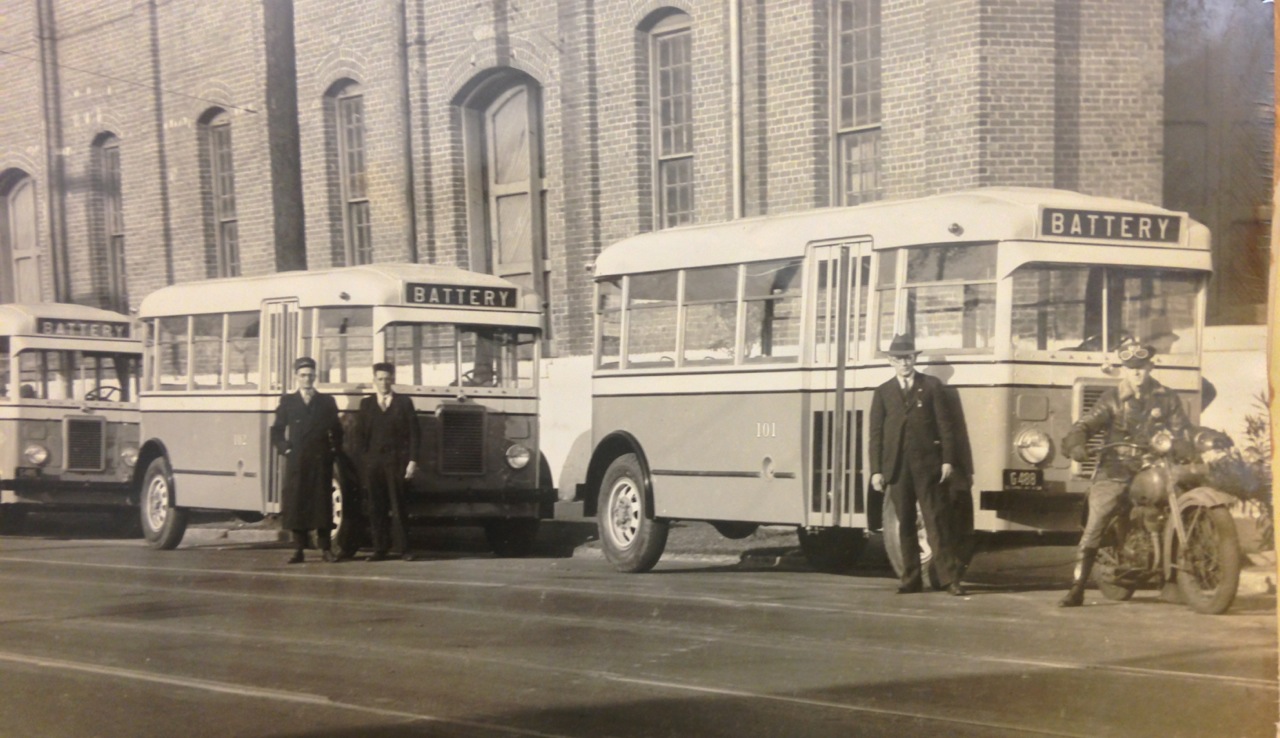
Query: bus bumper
[[68, 493], [1031, 502], [462, 505]]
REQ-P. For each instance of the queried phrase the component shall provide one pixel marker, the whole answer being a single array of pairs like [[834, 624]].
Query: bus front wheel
[[162, 524], [893, 548], [632, 540]]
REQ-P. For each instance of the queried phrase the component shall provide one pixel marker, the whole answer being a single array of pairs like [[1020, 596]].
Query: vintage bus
[[68, 411], [735, 363], [219, 353]]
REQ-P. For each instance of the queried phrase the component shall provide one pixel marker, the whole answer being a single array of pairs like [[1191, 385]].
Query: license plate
[[1024, 479]]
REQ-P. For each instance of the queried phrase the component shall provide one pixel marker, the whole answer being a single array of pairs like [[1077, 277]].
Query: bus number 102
[[766, 430]]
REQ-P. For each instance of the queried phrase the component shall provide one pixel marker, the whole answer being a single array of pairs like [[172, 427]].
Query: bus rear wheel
[[163, 525], [631, 538], [348, 529], [511, 538]]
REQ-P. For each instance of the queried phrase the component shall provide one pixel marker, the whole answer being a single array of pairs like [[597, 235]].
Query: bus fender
[[611, 447], [150, 451], [1198, 497]]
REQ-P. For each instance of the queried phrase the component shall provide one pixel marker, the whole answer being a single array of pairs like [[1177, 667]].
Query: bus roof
[[369, 284], [970, 216], [63, 319]]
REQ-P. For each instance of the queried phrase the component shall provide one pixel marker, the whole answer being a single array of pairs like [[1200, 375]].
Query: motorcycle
[[1175, 530]]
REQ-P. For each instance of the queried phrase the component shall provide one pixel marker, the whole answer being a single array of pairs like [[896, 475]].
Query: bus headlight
[[36, 454], [1033, 445], [129, 455], [518, 456]]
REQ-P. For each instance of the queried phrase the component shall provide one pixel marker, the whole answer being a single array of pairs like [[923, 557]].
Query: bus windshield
[[428, 354], [77, 375], [1093, 308]]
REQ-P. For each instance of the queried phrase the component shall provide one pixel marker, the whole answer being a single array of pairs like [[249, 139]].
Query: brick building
[[146, 143]]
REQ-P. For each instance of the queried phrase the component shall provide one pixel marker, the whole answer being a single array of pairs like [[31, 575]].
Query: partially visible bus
[[219, 354], [68, 410], [735, 362]]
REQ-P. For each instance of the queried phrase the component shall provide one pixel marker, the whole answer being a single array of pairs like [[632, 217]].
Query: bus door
[[839, 280], [279, 349]]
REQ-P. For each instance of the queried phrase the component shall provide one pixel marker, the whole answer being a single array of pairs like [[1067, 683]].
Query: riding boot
[[1075, 595]]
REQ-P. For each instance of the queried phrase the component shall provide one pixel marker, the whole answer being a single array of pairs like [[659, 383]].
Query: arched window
[[19, 245], [671, 102], [506, 208], [346, 112], [856, 101], [218, 185], [109, 230]]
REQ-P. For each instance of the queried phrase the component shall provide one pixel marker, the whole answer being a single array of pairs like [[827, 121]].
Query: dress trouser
[[907, 491], [384, 484]]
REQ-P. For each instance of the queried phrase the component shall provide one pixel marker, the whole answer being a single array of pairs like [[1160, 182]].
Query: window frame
[[855, 134], [678, 158], [351, 136]]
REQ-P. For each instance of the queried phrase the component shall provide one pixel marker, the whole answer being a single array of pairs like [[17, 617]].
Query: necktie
[[384, 401], [306, 396]]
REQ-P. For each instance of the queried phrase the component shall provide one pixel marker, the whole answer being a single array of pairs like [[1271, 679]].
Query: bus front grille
[[85, 449], [1089, 396], [462, 440]]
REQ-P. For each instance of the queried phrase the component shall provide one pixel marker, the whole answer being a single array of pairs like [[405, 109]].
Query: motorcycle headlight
[[36, 454], [129, 455], [1162, 442], [518, 456], [1033, 445]]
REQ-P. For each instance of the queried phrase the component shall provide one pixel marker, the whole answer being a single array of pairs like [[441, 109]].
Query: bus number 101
[[766, 430]]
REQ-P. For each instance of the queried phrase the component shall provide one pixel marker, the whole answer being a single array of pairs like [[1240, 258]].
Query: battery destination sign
[[460, 295], [1110, 226]]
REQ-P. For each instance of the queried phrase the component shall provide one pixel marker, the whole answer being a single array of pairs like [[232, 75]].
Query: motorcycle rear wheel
[[1209, 559]]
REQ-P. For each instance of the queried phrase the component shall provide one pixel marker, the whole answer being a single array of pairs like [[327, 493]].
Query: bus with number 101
[[734, 363], [68, 411], [219, 353]]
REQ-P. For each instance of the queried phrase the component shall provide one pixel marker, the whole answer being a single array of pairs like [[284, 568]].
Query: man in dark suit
[[307, 431], [913, 448], [386, 443]]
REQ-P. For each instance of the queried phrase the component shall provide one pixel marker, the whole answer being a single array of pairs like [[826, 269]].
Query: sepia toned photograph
[[638, 368]]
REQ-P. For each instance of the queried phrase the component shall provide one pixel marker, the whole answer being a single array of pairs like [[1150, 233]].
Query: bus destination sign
[[459, 295], [92, 328], [1110, 226]]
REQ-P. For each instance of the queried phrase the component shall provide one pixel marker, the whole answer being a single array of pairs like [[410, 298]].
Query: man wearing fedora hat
[[912, 450], [1130, 412]]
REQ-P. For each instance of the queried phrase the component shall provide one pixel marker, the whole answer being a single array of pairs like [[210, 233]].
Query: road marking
[[241, 690]]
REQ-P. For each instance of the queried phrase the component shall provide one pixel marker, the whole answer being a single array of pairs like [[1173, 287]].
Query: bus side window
[[771, 293], [206, 351], [345, 337], [951, 296], [711, 315], [651, 320], [610, 309], [242, 350], [4, 366], [171, 349]]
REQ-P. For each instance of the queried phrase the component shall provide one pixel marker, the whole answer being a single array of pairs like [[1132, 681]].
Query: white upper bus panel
[[63, 320], [972, 216], [415, 285]]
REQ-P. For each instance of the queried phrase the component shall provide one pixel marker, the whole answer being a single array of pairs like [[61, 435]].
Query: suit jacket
[[915, 428], [308, 435], [387, 436]]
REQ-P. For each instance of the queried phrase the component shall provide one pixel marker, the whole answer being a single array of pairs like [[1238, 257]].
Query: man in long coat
[[307, 432], [913, 450]]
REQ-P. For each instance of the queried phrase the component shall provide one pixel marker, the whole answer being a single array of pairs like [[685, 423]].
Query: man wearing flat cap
[[1130, 412], [913, 450], [307, 432]]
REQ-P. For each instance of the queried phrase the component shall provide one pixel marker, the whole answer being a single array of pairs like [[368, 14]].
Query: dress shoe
[[329, 556], [907, 589], [296, 558], [956, 589], [378, 556]]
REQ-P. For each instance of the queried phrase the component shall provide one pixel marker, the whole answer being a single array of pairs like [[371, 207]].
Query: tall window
[[221, 189], [505, 176], [857, 101], [19, 245], [671, 70], [111, 206], [357, 228]]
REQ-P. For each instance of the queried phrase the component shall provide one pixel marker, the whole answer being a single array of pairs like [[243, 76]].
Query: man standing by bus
[[307, 431], [387, 439], [1129, 413], [912, 449]]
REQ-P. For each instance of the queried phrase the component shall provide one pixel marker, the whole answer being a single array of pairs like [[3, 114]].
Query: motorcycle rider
[[1132, 412]]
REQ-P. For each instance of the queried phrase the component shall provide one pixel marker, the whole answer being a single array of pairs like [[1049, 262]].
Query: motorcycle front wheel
[[1209, 559]]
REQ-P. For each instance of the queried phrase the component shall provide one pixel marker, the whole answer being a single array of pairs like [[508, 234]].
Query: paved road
[[102, 637]]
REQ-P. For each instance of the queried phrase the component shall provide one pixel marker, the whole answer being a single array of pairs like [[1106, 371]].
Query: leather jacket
[[1126, 417]]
